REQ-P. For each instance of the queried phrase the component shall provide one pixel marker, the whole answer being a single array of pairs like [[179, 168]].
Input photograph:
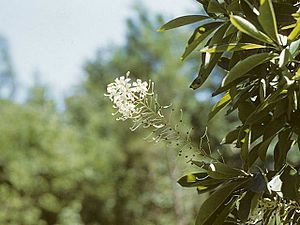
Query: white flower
[[111, 90], [140, 87], [126, 95], [126, 109], [123, 84]]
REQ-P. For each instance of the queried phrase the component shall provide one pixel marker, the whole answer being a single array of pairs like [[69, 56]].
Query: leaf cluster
[[256, 44]]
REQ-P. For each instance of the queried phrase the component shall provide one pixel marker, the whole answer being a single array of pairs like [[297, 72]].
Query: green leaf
[[207, 67], [200, 36], [181, 21], [281, 108], [258, 183], [244, 66], [245, 206], [257, 131], [249, 10], [248, 28], [226, 210], [232, 47], [233, 6], [231, 30], [262, 89], [297, 75], [263, 148], [296, 15], [214, 201], [223, 171], [219, 37], [245, 149], [253, 155], [225, 100], [274, 126], [294, 47], [215, 7], [270, 101], [284, 57], [231, 136], [288, 27], [205, 71], [255, 200], [197, 179], [267, 19], [283, 11], [291, 183], [295, 32], [245, 109], [204, 189], [281, 149]]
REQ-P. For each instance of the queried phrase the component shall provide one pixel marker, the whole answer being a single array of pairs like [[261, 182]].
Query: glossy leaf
[[245, 109], [267, 19], [225, 100], [223, 171], [205, 71], [207, 67], [215, 7], [295, 47], [181, 21], [250, 11], [202, 34], [281, 149], [297, 75], [284, 57], [248, 28], [244, 66], [253, 155], [245, 149], [263, 148], [197, 179], [291, 183], [207, 188], [258, 183], [273, 98], [283, 11], [231, 137], [295, 32], [214, 201], [245, 206], [232, 47], [288, 26], [228, 207]]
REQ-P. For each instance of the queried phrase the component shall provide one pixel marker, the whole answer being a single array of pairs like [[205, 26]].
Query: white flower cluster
[[126, 96]]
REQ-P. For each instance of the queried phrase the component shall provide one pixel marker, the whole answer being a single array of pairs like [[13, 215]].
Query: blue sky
[[53, 38]]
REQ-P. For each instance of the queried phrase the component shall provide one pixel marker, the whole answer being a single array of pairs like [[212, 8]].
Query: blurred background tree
[[78, 165], [7, 74]]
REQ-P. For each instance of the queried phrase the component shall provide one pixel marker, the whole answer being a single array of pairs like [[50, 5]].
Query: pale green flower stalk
[[135, 100], [284, 210]]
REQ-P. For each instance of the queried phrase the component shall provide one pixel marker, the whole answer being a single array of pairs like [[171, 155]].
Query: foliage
[[256, 44]]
